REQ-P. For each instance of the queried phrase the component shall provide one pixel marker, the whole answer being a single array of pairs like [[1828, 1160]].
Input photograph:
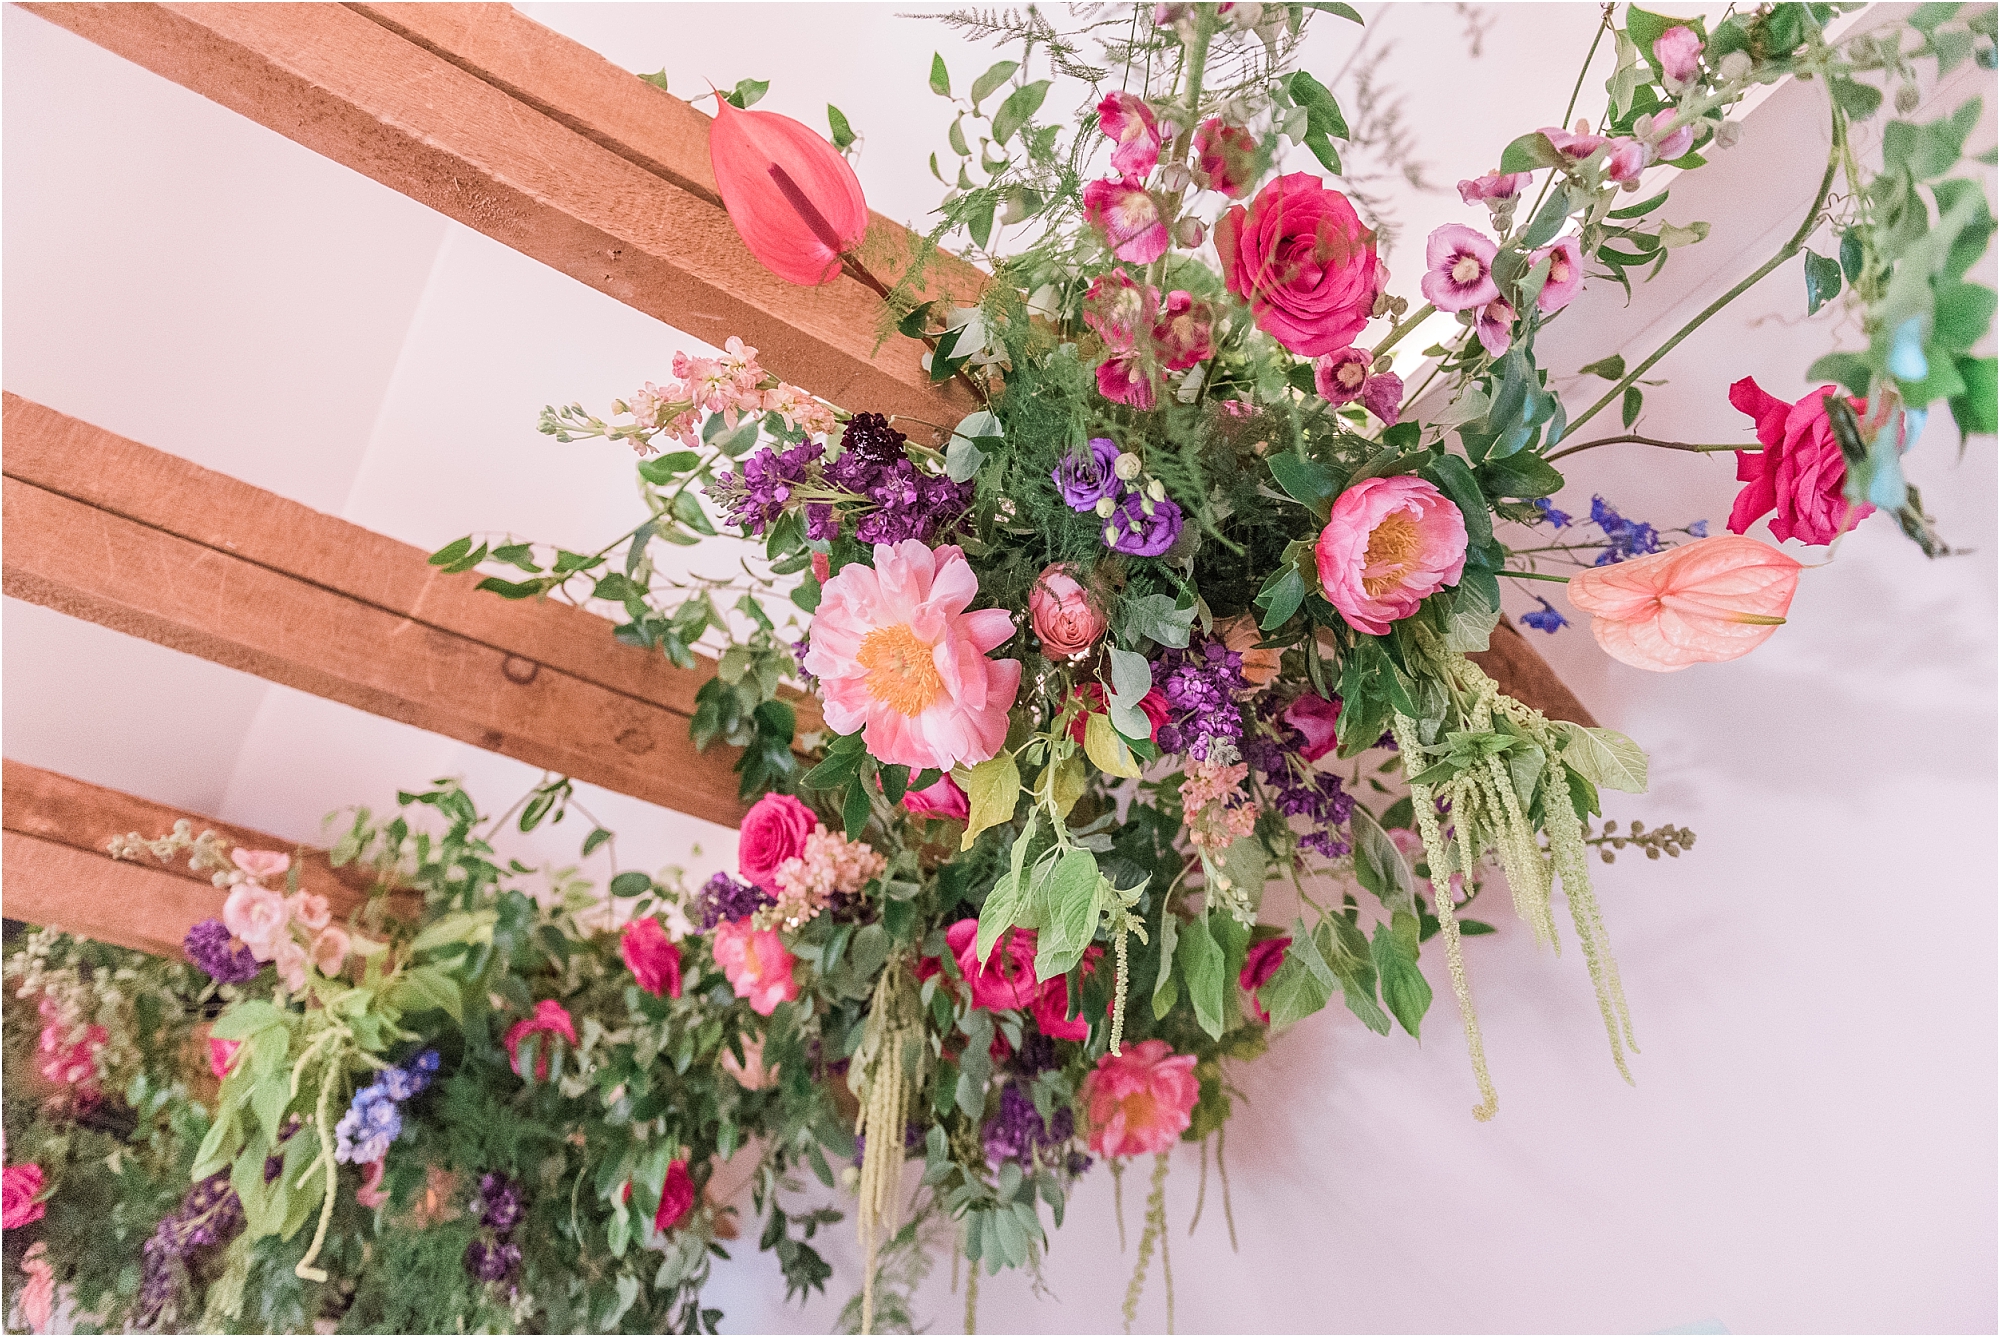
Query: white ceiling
[[1812, 1144]]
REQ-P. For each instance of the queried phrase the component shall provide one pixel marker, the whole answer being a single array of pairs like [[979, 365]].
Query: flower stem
[[1395, 336], [1536, 575], [1703, 448]]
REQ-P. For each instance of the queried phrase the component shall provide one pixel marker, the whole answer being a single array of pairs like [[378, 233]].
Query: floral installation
[[1184, 604]]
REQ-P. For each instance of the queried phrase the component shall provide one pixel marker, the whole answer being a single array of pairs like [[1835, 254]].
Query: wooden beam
[[634, 227], [105, 529]]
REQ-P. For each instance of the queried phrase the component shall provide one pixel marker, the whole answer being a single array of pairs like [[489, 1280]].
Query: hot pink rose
[[1051, 1006], [222, 1053], [1303, 261], [757, 964], [1007, 980], [1140, 1101], [1800, 474], [1678, 50], [1389, 543], [1318, 719], [774, 830], [1128, 217], [1229, 157], [943, 799], [1259, 964], [651, 957], [18, 1186], [1063, 614], [676, 1197], [550, 1022], [1565, 279], [1128, 122], [261, 864]]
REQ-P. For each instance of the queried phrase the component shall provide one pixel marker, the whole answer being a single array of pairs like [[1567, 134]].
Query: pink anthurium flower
[[794, 200], [1708, 601]]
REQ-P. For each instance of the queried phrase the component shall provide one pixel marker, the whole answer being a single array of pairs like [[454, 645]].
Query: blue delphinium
[[1545, 618], [1560, 519], [375, 1118], [1622, 538]]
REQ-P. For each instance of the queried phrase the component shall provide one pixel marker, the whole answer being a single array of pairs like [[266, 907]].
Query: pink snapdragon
[[1181, 336], [1340, 375], [1678, 50], [1128, 122], [1494, 186], [1217, 809], [1565, 279], [1459, 269], [757, 965], [1389, 543], [1383, 397], [38, 1297], [258, 916], [262, 865], [1128, 217], [1140, 1101]]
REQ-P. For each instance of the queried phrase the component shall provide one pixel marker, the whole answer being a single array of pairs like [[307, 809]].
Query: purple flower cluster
[[500, 1210], [1200, 684], [209, 1216], [1018, 1133], [722, 898], [492, 1260], [1560, 519], [375, 1118], [209, 945], [1318, 796], [499, 1202], [1622, 538], [909, 503], [755, 497], [1545, 618], [1135, 523]]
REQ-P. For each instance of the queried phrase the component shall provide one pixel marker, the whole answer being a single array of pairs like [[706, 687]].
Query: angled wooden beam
[[633, 225], [146, 543]]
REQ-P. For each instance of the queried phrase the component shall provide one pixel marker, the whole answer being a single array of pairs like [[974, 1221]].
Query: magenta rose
[[1260, 963], [774, 830], [1301, 258], [1800, 474], [1317, 718], [1389, 543], [18, 1186], [651, 957]]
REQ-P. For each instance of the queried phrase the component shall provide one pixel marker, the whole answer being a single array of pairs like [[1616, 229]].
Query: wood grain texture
[[362, 94], [1524, 675], [95, 896]]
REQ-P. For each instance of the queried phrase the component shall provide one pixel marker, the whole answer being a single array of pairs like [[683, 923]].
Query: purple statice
[[1545, 618], [499, 1202], [722, 897], [1200, 684], [1560, 519], [1085, 479], [210, 1215], [209, 945], [755, 497], [1139, 526], [492, 1260], [1622, 538], [1017, 1132], [1294, 787]]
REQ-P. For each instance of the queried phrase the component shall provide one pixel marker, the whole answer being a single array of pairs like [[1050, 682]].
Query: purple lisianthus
[[209, 945], [499, 1202], [1545, 618], [1142, 527], [1087, 479]]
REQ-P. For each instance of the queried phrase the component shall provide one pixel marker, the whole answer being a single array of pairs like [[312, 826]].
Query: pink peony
[[1800, 474], [550, 1022], [676, 1197], [1565, 279], [1494, 186], [222, 1053], [261, 864], [1459, 272], [38, 1297], [1140, 1101], [774, 830], [258, 916], [1065, 618], [371, 1194], [653, 960], [19, 1185], [1303, 261], [943, 799], [1711, 600], [757, 964], [1678, 50], [1128, 217], [897, 653], [1317, 718], [1128, 122], [1181, 337], [1495, 327], [1229, 156], [1389, 543], [1341, 375], [1259, 964]]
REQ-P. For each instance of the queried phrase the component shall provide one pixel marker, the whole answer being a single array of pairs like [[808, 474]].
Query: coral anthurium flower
[[794, 200], [1389, 543], [898, 655], [1714, 599], [1141, 1100]]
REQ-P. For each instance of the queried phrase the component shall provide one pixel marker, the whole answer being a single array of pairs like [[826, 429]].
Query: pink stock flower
[[309, 910], [550, 1022], [1565, 279], [1259, 964], [329, 950], [1800, 474], [1711, 600], [19, 1185], [1128, 122], [793, 198], [258, 917], [38, 1297], [651, 956], [774, 830], [1229, 156], [1460, 269], [676, 1197], [222, 1053], [371, 1194], [1678, 50], [70, 1061], [1181, 336], [1318, 719], [1301, 258], [943, 799], [1140, 1101], [1065, 618], [1341, 375], [1389, 543], [830, 865], [1494, 186], [757, 964], [1495, 326], [1128, 217], [1383, 397], [261, 864], [898, 654]]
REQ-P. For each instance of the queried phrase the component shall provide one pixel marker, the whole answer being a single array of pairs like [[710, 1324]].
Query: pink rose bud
[[1062, 613]]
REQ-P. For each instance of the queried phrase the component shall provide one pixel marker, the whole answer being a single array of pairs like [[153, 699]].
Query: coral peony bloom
[[1495, 327], [550, 1022], [18, 1186], [1565, 279], [1494, 186], [651, 957], [371, 1194], [1341, 375], [897, 653], [1711, 600], [1128, 122], [757, 964], [794, 200], [1259, 964], [943, 799], [1678, 50], [1063, 614], [1229, 156], [261, 864], [1800, 474], [1128, 217], [222, 1053], [1140, 1101], [1303, 261], [1389, 543], [774, 830], [1459, 269], [1318, 719], [1181, 338], [676, 1197], [257, 916]]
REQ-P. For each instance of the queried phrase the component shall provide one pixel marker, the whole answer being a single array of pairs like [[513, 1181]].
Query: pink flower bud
[[1062, 614]]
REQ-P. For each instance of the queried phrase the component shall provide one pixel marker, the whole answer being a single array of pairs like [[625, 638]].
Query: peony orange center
[[1392, 548], [901, 672]]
